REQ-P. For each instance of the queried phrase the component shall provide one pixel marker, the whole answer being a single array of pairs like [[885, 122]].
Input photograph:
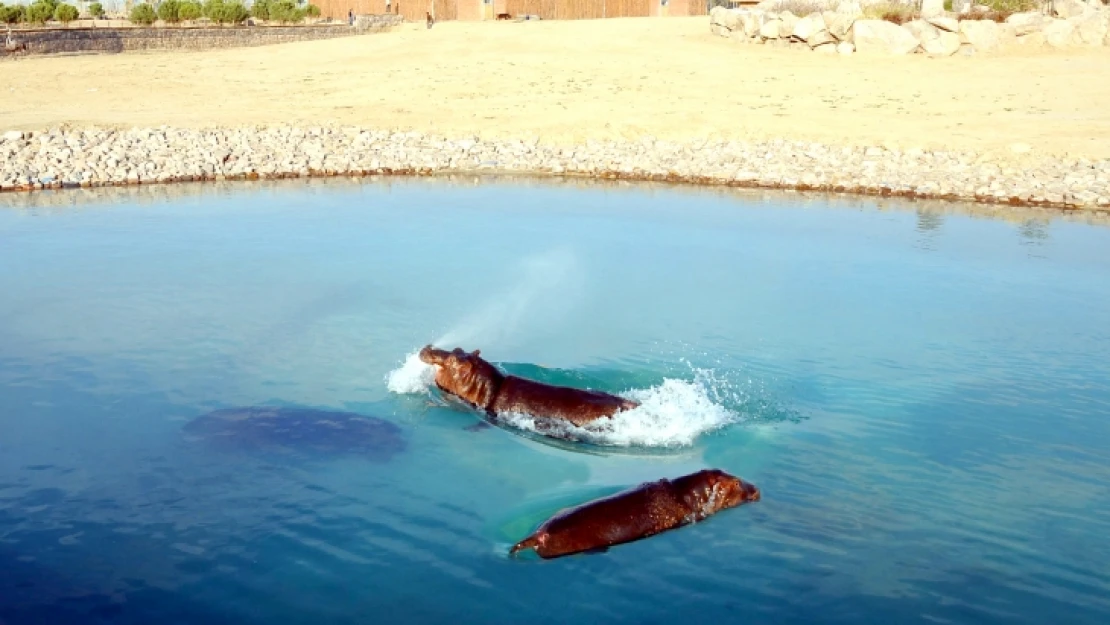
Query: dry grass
[[895, 12]]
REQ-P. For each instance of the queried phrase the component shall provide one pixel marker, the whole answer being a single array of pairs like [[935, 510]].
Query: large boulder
[[789, 21], [1061, 34], [946, 44], [771, 29], [1028, 22], [839, 24], [950, 24], [924, 31], [809, 26], [750, 22], [1071, 8], [730, 20], [932, 8], [1091, 28], [881, 37], [983, 35]]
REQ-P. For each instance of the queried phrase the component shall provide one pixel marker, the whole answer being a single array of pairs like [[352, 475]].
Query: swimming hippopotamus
[[478, 383], [640, 512]]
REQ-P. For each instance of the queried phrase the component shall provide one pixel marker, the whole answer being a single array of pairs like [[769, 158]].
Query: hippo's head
[[712, 490], [464, 375]]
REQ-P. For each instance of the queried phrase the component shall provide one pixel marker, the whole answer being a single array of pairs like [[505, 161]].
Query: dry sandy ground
[[570, 81]]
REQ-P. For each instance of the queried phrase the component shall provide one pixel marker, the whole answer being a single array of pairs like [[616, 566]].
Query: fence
[[411, 10]]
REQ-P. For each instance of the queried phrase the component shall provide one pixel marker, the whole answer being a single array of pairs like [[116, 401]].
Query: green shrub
[[286, 12], [13, 14], [190, 10], [66, 13], [232, 13], [261, 9], [312, 11], [169, 10], [96, 10], [40, 11], [143, 14], [212, 9], [1010, 7]]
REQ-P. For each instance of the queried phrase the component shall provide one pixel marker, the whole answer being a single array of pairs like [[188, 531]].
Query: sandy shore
[[565, 82]]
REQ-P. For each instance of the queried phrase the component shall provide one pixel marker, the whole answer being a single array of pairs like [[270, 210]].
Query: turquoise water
[[923, 398]]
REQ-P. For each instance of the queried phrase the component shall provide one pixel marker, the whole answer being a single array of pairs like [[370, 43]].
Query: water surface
[[922, 394]]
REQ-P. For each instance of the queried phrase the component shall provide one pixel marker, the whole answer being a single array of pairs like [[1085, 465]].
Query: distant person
[[350, 17], [388, 6]]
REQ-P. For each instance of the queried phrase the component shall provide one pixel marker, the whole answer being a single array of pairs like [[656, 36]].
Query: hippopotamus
[[640, 512], [478, 383]]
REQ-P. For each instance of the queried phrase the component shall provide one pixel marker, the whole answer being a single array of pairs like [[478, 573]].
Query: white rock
[[1028, 22], [845, 48], [946, 44], [808, 26], [945, 23], [13, 135], [881, 37], [1033, 40], [1070, 8], [789, 20], [839, 24], [932, 8], [924, 31], [983, 35], [820, 38], [1091, 28], [1061, 34], [770, 29]]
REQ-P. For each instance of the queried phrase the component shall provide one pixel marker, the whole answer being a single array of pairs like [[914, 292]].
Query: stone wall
[[109, 40], [843, 29]]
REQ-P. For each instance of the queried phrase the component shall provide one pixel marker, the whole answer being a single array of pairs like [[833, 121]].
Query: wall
[[69, 40]]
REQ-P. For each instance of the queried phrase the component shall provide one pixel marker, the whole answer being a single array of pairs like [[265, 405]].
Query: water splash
[[671, 414], [413, 377]]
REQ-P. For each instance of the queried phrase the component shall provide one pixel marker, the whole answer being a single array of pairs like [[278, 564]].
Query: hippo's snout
[[751, 491], [432, 356]]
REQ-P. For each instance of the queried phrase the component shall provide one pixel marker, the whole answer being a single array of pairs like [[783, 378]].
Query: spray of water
[[543, 288]]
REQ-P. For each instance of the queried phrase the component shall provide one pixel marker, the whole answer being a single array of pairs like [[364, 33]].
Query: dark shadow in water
[[295, 430]]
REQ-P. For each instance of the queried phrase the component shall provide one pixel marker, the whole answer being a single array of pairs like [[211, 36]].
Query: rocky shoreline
[[96, 157]]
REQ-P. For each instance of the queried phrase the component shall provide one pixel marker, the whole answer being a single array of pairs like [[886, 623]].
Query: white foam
[[413, 377], [672, 414]]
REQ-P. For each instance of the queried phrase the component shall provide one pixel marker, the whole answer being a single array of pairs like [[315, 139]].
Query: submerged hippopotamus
[[300, 430], [640, 512], [478, 383]]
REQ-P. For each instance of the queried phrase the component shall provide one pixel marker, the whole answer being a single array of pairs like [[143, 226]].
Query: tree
[[260, 9], [41, 11], [286, 12], [313, 10], [190, 10], [143, 14], [96, 10], [13, 14], [169, 11], [66, 13]]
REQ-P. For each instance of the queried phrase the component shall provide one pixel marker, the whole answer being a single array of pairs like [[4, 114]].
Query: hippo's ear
[[476, 352]]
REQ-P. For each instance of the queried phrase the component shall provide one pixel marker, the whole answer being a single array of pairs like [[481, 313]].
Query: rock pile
[[94, 157], [844, 30]]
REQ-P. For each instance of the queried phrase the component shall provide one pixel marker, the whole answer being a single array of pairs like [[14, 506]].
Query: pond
[[921, 392]]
